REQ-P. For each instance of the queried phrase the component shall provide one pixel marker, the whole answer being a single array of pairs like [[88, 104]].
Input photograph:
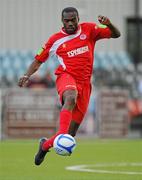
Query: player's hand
[[104, 20], [23, 81]]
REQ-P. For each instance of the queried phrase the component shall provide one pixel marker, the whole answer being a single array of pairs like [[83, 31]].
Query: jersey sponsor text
[[78, 51]]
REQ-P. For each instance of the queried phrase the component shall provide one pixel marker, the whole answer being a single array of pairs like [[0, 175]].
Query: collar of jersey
[[62, 31]]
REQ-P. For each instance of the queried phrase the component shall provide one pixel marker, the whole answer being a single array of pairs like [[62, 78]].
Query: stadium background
[[27, 24], [115, 109]]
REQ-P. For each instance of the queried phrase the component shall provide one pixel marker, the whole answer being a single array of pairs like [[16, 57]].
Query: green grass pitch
[[120, 157]]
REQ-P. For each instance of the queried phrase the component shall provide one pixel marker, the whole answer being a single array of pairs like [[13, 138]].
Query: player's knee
[[70, 101]]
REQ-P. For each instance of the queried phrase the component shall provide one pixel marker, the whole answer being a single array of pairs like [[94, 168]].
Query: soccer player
[[73, 47]]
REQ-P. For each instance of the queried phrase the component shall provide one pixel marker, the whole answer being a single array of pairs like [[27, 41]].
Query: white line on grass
[[88, 168]]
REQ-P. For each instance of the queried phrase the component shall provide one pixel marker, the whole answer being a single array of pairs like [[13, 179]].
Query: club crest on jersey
[[83, 36]]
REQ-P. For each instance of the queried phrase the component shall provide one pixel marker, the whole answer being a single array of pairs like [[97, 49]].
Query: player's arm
[[115, 33], [31, 70], [40, 57]]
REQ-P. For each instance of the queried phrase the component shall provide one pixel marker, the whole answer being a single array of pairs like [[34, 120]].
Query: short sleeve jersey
[[74, 52]]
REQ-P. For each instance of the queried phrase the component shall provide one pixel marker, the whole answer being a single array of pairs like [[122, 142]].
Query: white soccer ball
[[64, 144]]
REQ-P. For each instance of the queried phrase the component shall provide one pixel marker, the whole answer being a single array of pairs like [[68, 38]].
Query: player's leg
[[68, 94], [69, 99], [77, 118], [79, 111]]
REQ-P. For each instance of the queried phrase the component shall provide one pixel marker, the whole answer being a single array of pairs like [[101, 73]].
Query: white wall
[[26, 24]]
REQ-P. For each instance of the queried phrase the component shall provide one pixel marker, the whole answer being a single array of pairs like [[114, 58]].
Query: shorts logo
[[83, 36]]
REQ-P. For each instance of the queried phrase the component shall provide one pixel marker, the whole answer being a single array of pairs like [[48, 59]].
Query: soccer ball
[[64, 144]]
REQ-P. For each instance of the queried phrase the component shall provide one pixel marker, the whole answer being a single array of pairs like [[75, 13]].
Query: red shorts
[[64, 82]]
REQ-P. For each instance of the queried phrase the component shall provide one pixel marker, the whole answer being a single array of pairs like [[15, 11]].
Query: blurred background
[[115, 109]]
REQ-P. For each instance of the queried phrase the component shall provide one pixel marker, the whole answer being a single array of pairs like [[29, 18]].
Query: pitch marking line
[[88, 168]]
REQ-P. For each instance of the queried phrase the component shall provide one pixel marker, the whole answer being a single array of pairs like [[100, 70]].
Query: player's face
[[70, 22]]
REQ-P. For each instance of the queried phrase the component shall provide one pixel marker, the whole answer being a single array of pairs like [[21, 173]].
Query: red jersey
[[74, 52]]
